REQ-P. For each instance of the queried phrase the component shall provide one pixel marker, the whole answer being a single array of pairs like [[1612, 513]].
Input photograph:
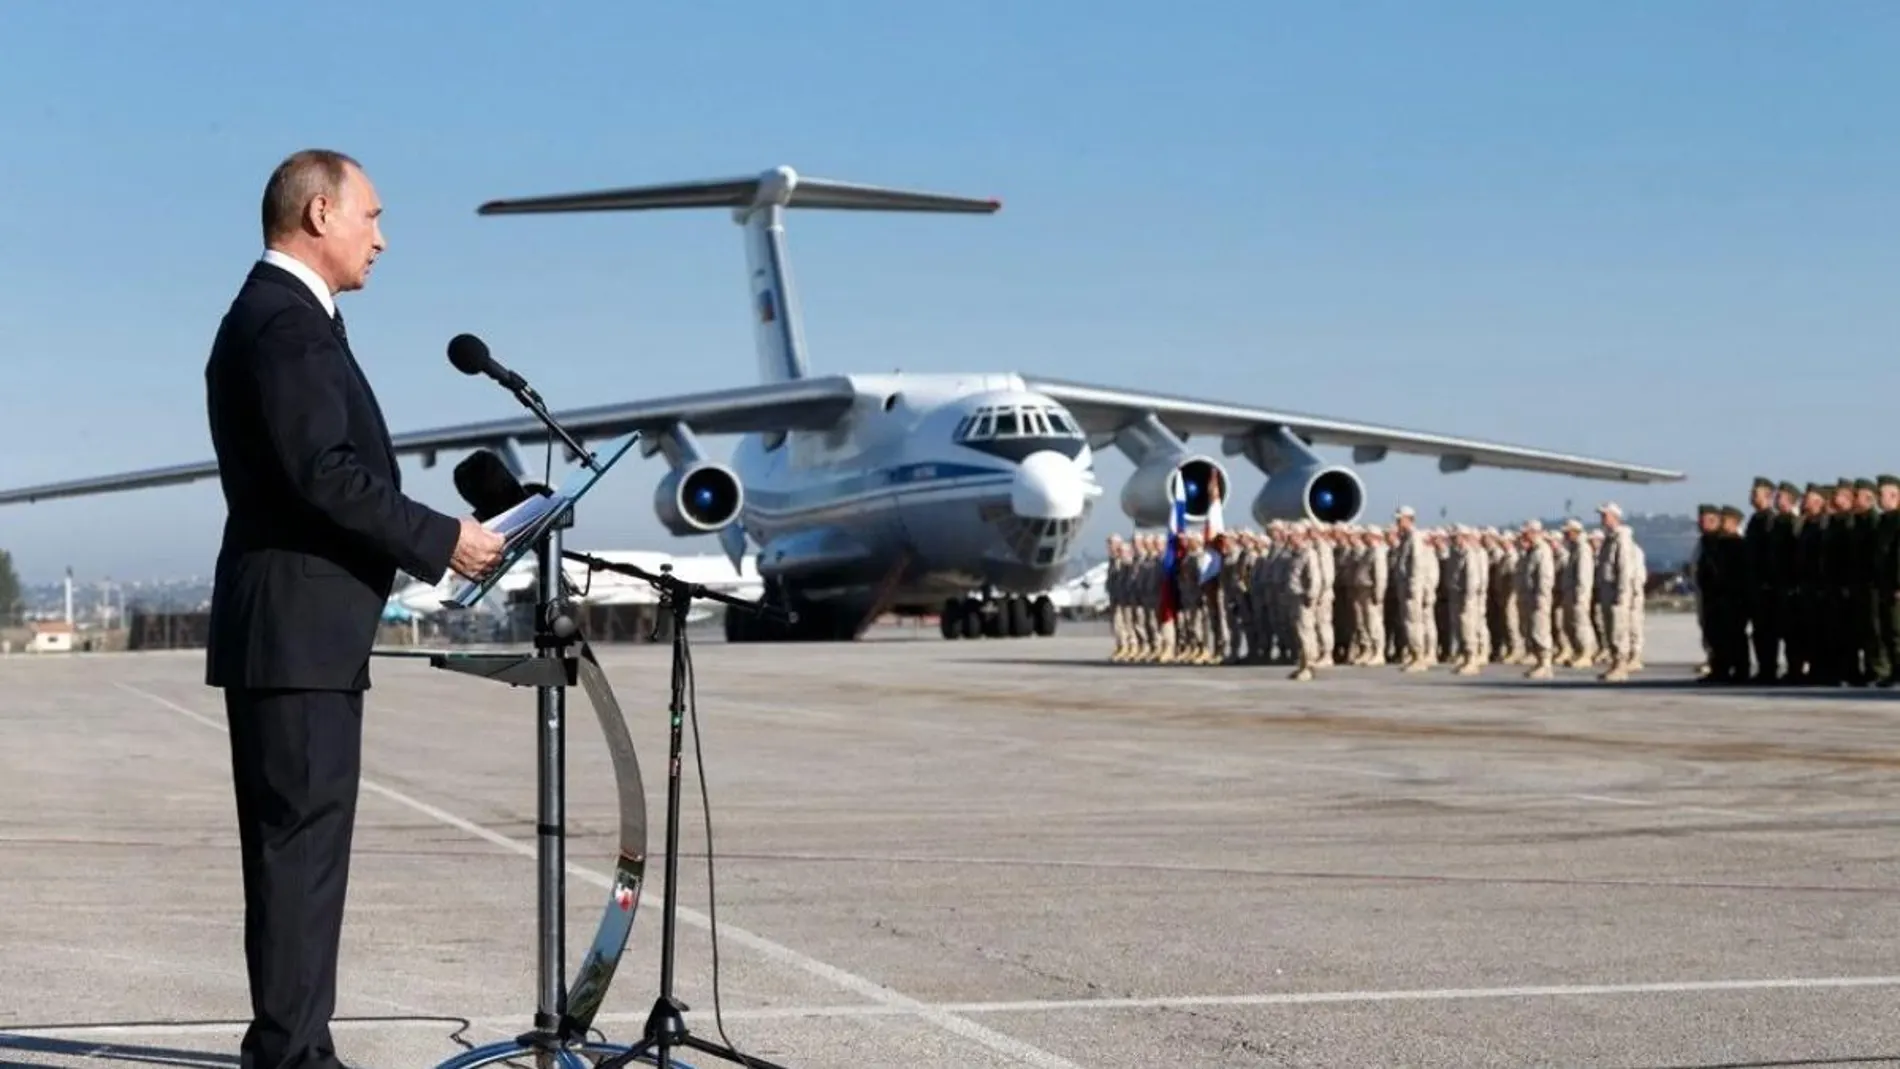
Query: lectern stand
[[561, 658]]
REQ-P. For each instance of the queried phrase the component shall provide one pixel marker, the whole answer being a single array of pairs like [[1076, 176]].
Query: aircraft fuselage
[[932, 487]]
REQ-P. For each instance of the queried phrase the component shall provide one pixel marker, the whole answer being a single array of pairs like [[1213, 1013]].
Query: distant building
[[51, 636]]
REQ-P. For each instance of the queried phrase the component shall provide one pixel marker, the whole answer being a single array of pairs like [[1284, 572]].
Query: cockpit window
[[1017, 421]]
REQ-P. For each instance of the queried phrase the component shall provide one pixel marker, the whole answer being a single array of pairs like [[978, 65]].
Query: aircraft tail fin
[[758, 204]]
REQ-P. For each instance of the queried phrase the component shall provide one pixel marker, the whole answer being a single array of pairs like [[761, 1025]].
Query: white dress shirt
[[304, 274]]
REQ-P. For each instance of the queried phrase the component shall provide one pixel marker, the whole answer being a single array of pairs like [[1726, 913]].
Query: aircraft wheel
[[1016, 617], [1045, 616], [995, 622], [971, 617], [951, 619]]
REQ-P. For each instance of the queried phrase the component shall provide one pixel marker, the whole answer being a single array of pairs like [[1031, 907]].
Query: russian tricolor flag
[[1216, 523]]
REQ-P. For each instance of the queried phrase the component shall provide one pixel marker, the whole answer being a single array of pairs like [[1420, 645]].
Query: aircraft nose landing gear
[[1010, 616]]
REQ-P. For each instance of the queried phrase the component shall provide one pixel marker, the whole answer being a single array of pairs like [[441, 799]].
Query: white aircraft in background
[[1082, 595], [606, 588], [866, 494]]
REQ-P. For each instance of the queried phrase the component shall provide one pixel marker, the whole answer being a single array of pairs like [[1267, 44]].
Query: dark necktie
[[336, 323]]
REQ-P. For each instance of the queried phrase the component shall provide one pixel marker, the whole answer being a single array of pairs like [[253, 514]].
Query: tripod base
[[666, 1028]]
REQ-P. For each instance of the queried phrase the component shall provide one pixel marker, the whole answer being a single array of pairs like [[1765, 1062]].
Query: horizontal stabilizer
[[781, 186]]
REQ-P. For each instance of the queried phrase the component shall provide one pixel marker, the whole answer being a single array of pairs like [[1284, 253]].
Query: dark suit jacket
[[317, 525]]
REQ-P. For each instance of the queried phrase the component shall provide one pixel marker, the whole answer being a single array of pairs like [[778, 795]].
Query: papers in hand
[[518, 527], [522, 522]]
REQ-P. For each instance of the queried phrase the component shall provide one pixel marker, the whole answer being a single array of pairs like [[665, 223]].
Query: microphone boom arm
[[679, 589], [532, 401]]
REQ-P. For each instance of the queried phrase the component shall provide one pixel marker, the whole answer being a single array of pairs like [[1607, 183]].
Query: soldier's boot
[[1417, 664], [1542, 669], [1470, 667], [1304, 673], [1617, 672]]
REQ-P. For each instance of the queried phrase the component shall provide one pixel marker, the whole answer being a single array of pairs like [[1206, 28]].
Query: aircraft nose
[[1047, 487]]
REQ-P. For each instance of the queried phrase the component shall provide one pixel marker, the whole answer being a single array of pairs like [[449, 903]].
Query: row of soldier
[[1810, 586], [1316, 595]]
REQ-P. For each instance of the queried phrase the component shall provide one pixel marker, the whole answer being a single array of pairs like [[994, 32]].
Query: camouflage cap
[[1763, 480], [1707, 510], [1816, 488], [1790, 488], [1730, 512], [1845, 483], [1889, 480], [1864, 484]]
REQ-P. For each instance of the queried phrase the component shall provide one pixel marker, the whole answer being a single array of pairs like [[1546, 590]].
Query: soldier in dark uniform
[[1863, 653], [1884, 576], [1731, 587], [1764, 621], [1841, 569], [1783, 576], [1709, 521], [1810, 581]]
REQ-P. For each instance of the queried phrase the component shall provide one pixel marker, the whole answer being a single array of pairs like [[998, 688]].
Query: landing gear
[[1005, 617], [1045, 616]]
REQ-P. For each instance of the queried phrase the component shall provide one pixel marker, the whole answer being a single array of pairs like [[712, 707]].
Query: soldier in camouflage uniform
[[1536, 598], [1121, 614]]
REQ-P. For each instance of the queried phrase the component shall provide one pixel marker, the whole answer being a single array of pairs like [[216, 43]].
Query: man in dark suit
[[316, 531]]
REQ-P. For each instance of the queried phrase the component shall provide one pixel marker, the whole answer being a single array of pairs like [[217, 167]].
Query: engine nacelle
[[1323, 492], [1148, 498], [698, 498]]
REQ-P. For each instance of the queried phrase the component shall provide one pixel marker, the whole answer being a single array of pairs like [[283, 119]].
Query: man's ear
[[318, 213]]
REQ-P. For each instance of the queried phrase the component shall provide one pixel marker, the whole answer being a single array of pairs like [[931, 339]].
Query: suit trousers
[[296, 761]]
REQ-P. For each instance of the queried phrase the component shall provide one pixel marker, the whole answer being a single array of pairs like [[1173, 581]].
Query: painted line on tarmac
[[1084, 1005], [1308, 998], [993, 1040]]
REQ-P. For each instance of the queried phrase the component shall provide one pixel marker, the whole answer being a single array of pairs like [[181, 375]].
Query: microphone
[[489, 487], [470, 356]]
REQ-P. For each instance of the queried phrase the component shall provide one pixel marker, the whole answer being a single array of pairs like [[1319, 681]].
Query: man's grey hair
[[302, 176]]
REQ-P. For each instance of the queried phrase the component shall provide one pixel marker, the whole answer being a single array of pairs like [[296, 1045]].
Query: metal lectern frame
[[561, 658]]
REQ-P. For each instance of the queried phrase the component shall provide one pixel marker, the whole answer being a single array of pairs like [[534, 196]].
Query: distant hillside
[[1667, 541]]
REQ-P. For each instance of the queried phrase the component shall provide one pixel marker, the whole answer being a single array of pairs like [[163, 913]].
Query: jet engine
[[1324, 492], [698, 498], [1148, 498]]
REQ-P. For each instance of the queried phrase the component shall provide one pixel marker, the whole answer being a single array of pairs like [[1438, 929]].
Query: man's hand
[[477, 551]]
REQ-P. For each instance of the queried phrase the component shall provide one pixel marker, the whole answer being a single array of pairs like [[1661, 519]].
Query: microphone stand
[[666, 1025], [560, 659], [532, 401]]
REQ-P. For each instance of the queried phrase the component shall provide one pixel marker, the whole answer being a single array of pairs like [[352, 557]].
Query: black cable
[[462, 1024], [712, 889]]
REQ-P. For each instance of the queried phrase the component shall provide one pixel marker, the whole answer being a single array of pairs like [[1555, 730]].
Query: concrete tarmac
[[1010, 853]]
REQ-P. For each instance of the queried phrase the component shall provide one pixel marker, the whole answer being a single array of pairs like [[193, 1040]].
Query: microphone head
[[468, 353]]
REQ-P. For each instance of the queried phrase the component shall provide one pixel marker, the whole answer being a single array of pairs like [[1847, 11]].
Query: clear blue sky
[[1666, 233]]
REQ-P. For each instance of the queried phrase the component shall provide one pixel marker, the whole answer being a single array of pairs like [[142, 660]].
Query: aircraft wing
[[801, 404], [1104, 409]]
